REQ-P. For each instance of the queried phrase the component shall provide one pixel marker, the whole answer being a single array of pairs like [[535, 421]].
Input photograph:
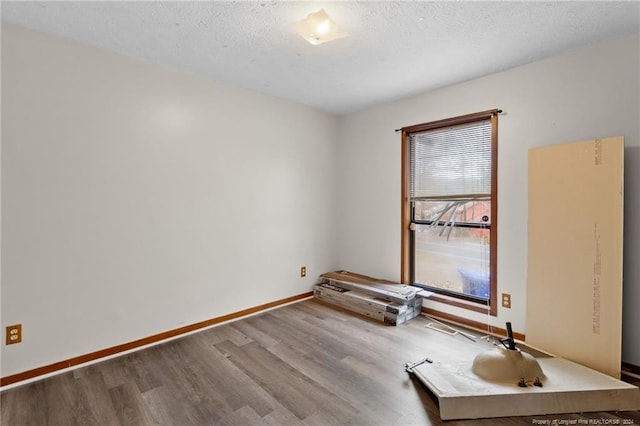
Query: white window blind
[[451, 162]]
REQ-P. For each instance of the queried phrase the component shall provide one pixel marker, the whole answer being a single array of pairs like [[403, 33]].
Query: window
[[449, 209]]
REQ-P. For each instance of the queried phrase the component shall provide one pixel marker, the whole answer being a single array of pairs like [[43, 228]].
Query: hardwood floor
[[302, 364]]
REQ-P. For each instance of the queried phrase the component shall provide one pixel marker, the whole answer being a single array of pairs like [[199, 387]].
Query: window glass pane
[[473, 212], [452, 258]]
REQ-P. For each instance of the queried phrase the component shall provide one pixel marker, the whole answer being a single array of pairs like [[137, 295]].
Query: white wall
[[138, 199], [576, 96]]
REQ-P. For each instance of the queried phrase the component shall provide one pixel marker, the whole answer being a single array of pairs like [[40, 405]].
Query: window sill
[[453, 301]]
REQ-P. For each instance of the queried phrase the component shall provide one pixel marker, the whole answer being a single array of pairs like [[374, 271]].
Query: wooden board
[[386, 290], [568, 388], [363, 299], [574, 276], [380, 310]]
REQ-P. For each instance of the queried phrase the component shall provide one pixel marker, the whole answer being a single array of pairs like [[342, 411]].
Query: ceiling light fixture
[[318, 28]]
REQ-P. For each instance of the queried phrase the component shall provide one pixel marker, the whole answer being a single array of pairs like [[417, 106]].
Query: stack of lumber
[[382, 300]]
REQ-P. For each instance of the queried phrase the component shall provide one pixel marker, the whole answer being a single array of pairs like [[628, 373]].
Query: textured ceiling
[[395, 49]]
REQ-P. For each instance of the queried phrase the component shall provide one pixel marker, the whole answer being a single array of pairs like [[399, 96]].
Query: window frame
[[406, 210]]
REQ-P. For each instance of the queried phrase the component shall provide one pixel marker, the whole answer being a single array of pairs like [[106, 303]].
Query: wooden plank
[[369, 312], [402, 296], [390, 286], [358, 278], [129, 405], [574, 279], [291, 387], [365, 300]]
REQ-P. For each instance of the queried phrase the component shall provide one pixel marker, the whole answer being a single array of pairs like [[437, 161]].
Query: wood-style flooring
[[302, 364]]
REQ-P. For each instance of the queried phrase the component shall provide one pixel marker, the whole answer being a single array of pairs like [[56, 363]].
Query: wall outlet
[[303, 271], [14, 334], [506, 300]]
